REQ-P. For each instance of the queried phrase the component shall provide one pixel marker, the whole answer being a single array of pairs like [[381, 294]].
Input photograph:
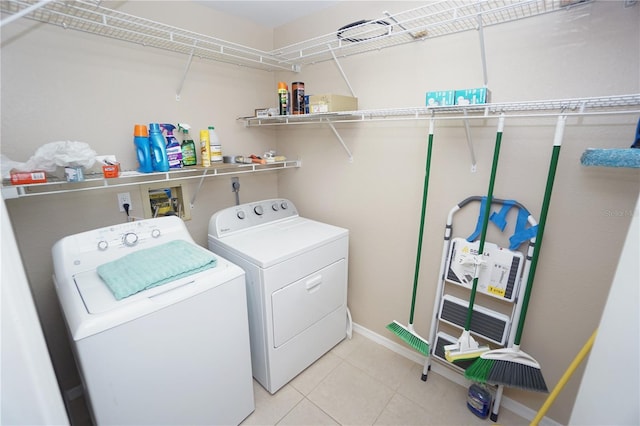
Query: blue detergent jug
[[143, 148], [158, 148]]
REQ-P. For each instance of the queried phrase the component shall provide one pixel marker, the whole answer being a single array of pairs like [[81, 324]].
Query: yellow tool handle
[[564, 379]]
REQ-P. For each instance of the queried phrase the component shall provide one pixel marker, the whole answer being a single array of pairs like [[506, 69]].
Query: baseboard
[[448, 373]]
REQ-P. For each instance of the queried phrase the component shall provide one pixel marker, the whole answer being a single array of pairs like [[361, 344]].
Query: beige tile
[[402, 411], [347, 346], [351, 396], [308, 414], [271, 408], [446, 401], [311, 377], [381, 363], [432, 394]]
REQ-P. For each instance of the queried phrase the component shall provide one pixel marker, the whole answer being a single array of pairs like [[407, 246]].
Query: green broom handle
[[485, 218], [555, 154], [425, 190]]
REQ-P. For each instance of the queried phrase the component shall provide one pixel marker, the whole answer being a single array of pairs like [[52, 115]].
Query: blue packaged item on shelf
[[159, 157], [174, 151], [143, 148]]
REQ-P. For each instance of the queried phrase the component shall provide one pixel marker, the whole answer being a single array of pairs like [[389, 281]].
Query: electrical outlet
[[124, 198]]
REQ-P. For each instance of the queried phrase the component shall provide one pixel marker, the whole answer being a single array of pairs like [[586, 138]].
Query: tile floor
[[360, 382]]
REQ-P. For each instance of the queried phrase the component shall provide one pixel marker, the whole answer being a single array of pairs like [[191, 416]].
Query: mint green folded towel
[[154, 266]]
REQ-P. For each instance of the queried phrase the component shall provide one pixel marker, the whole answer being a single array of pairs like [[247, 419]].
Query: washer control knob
[[103, 245], [130, 239], [284, 205], [258, 210], [155, 233], [275, 207], [240, 215]]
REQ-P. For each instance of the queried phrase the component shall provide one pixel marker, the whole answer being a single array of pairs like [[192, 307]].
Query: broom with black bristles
[[408, 334], [512, 367]]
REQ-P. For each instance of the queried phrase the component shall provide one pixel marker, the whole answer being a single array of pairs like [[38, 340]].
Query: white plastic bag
[[52, 155]]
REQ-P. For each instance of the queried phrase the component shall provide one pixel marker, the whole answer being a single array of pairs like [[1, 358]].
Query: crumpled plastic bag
[[52, 155]]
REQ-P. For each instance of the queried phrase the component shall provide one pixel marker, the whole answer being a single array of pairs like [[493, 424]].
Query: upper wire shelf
[[90, 17], [618, 104], [434, 19]]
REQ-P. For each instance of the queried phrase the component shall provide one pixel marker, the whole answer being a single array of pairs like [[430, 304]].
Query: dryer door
[[306, 301]]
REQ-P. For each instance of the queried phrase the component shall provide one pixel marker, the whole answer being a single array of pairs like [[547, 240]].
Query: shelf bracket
[[483, 55], [470, 142], [344, 76], [195, 194], [23, 12], [186, 70], [335, 132]]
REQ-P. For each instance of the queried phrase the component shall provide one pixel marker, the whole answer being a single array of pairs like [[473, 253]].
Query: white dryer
[[296, 273], [174, 354]]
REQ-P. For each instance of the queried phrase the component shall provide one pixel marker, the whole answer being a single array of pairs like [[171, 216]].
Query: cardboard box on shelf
[[440, 98], [23, 178], [478, 95], [332, 103], [111, 170]]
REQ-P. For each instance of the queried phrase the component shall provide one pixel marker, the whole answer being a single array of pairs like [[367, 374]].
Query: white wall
[[573, 53], [30, 393], [610, 391], [67, 85]]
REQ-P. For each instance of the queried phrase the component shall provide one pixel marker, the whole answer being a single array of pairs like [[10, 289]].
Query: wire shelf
[[619, 104], [435, 19], [89, 17]]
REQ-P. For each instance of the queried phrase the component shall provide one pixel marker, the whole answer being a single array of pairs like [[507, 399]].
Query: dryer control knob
[[241, 215], [103, 245], [275, 207], [155, 233], [284, 205], [258, 210], [130, 239]]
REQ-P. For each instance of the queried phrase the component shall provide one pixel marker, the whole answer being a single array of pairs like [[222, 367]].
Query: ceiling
[[268, 13]]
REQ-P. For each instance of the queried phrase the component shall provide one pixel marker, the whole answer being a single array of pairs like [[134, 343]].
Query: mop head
[[508, 367], [467, 348], [410, 337], [627, 157]]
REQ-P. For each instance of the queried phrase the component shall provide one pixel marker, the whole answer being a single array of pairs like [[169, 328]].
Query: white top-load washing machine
[[177, 353], [296, 273]]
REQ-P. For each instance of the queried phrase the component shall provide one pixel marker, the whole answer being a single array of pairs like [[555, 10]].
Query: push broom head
[[410, 337], [509, 367], [467, 348]]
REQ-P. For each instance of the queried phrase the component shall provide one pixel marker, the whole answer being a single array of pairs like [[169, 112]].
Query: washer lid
[[272, 243], [98, 299], [89, 306]]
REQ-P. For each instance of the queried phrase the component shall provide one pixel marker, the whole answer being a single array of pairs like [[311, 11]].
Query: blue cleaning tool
[[621, 157], [636, 143]]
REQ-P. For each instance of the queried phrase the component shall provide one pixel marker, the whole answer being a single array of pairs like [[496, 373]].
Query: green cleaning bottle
[[188, 147]]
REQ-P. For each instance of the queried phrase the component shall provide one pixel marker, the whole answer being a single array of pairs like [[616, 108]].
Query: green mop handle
[[555, 154], [425, 190], [485, 219]]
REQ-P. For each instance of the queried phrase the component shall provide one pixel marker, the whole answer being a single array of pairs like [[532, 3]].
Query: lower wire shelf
[[128, 178]]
